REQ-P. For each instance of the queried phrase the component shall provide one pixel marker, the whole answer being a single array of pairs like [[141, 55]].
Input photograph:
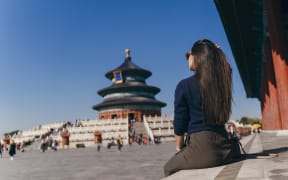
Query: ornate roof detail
[[129, 66]]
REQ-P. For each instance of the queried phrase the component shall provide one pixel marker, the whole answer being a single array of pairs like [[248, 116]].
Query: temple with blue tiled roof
[[128, 96]]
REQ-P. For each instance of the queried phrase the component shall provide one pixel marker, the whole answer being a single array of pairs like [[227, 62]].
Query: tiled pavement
[[146, 162], [133, 163]]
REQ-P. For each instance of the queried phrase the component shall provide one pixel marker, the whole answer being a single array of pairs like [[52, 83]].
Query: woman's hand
[[179, 142]]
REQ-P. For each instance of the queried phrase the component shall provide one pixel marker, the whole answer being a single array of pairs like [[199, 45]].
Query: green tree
[[246, 120]]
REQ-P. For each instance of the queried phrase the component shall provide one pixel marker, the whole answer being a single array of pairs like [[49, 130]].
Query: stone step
[[140, 128], [229, 171], [34, 146]]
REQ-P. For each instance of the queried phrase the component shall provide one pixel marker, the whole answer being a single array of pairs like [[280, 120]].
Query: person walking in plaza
[[120, 143], [99, 143], [43, 145], [0, 149], [54, 145], [12, 149], [202, 106]]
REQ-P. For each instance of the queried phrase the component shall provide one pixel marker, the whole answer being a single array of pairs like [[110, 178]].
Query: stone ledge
[[205, 174], [277, 132]]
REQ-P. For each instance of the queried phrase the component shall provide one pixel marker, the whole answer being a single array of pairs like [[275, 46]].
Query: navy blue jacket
[[188, 113]]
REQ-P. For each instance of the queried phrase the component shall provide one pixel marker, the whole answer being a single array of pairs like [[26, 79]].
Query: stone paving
[[145, 162], [132, 163]]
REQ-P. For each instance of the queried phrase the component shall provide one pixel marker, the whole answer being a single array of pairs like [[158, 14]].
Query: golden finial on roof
[[127, 53]]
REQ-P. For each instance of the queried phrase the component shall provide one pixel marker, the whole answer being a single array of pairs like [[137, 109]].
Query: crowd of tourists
[[137, 138], [47, 143]]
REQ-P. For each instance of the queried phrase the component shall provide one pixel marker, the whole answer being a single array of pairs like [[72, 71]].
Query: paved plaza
[[146, 162], [132, 163]]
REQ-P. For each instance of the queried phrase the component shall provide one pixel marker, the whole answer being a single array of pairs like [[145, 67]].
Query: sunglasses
[[188, 54]]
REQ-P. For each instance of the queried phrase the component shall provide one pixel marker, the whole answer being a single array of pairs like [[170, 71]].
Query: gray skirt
[[204, 149]]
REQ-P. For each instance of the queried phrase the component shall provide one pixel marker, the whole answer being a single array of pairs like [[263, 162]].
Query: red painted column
[[271, 119], [279, 56]]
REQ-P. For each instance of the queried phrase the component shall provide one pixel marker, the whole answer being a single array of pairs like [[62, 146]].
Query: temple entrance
[[131, 118]]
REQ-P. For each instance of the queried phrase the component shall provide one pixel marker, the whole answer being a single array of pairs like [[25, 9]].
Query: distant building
[[129, 96]]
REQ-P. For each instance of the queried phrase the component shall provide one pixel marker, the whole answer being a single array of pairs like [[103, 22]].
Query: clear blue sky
[[54, 54]]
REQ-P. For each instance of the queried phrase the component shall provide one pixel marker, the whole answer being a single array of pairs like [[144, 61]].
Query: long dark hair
[[215, 78]]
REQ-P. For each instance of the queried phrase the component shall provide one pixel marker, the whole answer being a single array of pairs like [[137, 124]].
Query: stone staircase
[[140, 128], [34, 146]]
